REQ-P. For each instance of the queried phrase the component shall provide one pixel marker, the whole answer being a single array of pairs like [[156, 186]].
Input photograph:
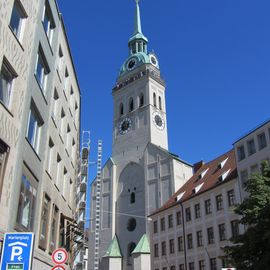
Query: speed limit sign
[[59, 256], [58, 267]]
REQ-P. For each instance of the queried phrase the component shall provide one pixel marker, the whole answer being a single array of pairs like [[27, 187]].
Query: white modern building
[[191, 229], [142, 174], [39, 126]]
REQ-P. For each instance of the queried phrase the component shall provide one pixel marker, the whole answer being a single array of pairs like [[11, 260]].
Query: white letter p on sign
[[16, 252]]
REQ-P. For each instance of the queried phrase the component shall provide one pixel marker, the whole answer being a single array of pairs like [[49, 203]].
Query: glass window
[[121, 109], [251, 147], [207, 204], [155, 226], [44, 222], [50, 157], [34, 127], [181, 267], [170, 221], [197, 211], [3, 160], [160, 103], [17, 19], [231, 198], [42, 70], [171, 246], [156, 250], [172, 267], [180, 243], [163, 248], [141, 100], [213, 264], [131, 104], [27, 203], [6, 78], [191, 266], [132, 197], [188, 214], [131, 225], [202, 265], [222, 232], [178, 218], [54, 228], [48, 21], [219, 202], [162, 224], [244, 177], [241, 153], [155, 99], [199, 238], [235, 228], [210, 235], [189, 241], [262, 141], [130, 248]]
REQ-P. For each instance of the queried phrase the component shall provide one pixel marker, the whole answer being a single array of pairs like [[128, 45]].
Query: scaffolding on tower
[[97, 217], [81, 188]]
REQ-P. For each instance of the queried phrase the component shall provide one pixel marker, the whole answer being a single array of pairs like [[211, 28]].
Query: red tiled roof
[[211, 179]]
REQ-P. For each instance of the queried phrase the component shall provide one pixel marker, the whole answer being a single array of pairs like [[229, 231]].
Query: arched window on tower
[[141, 99], [159, 102], [131, 247], [155, 99], [121, 109], [131, 104], [132, 197]]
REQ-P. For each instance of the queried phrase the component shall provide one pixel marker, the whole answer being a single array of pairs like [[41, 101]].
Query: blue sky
[[213, 54]]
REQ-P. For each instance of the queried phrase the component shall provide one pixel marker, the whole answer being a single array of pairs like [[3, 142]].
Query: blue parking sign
[[17, 251]]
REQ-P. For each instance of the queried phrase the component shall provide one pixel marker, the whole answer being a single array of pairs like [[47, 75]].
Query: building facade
[[39, 126], [190, 231], [250, 150], [142, 174]]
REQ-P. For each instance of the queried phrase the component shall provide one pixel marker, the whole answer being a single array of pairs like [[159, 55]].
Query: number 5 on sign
[[58, 267], [60, 256]]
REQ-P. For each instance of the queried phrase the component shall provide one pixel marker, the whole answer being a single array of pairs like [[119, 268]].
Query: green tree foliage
[[251, 250]]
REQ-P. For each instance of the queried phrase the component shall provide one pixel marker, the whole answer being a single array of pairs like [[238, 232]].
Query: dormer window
[[131, 104]]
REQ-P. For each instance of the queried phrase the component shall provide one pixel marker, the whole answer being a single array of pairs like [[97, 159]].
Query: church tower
[[142, 174], [139, 100]]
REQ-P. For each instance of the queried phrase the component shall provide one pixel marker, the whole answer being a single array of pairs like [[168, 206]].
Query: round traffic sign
[[60, 256], [58, 267]]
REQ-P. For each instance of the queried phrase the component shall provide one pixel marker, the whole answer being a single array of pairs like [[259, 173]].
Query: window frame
[[8, 74], [34, 141], [27, 180], [222, 232], [43, 239], [210, 235], [49, 24], [241, 153], [53, 234], [4, 153], [188, 214], [219, 202], [235, 228], [199, 238], [262, 142], [20, 21], [189, 241], [42, 70], [251, 147], [197, 209], [231, 198], [208, 206]]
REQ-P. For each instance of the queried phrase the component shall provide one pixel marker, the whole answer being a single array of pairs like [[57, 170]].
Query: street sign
[[58, 267], [17, 251], [59, 256]]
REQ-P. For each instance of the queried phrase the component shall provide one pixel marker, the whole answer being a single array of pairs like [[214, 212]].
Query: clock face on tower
[[158, 120], [131, 64], [124, 126]]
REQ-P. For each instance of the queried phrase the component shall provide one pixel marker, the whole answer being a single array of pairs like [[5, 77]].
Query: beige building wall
[[38, 169]]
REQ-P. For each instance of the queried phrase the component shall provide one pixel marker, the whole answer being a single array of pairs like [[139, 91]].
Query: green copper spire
[[113, 250], [138, 42], [137, 25], [143, 246]]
